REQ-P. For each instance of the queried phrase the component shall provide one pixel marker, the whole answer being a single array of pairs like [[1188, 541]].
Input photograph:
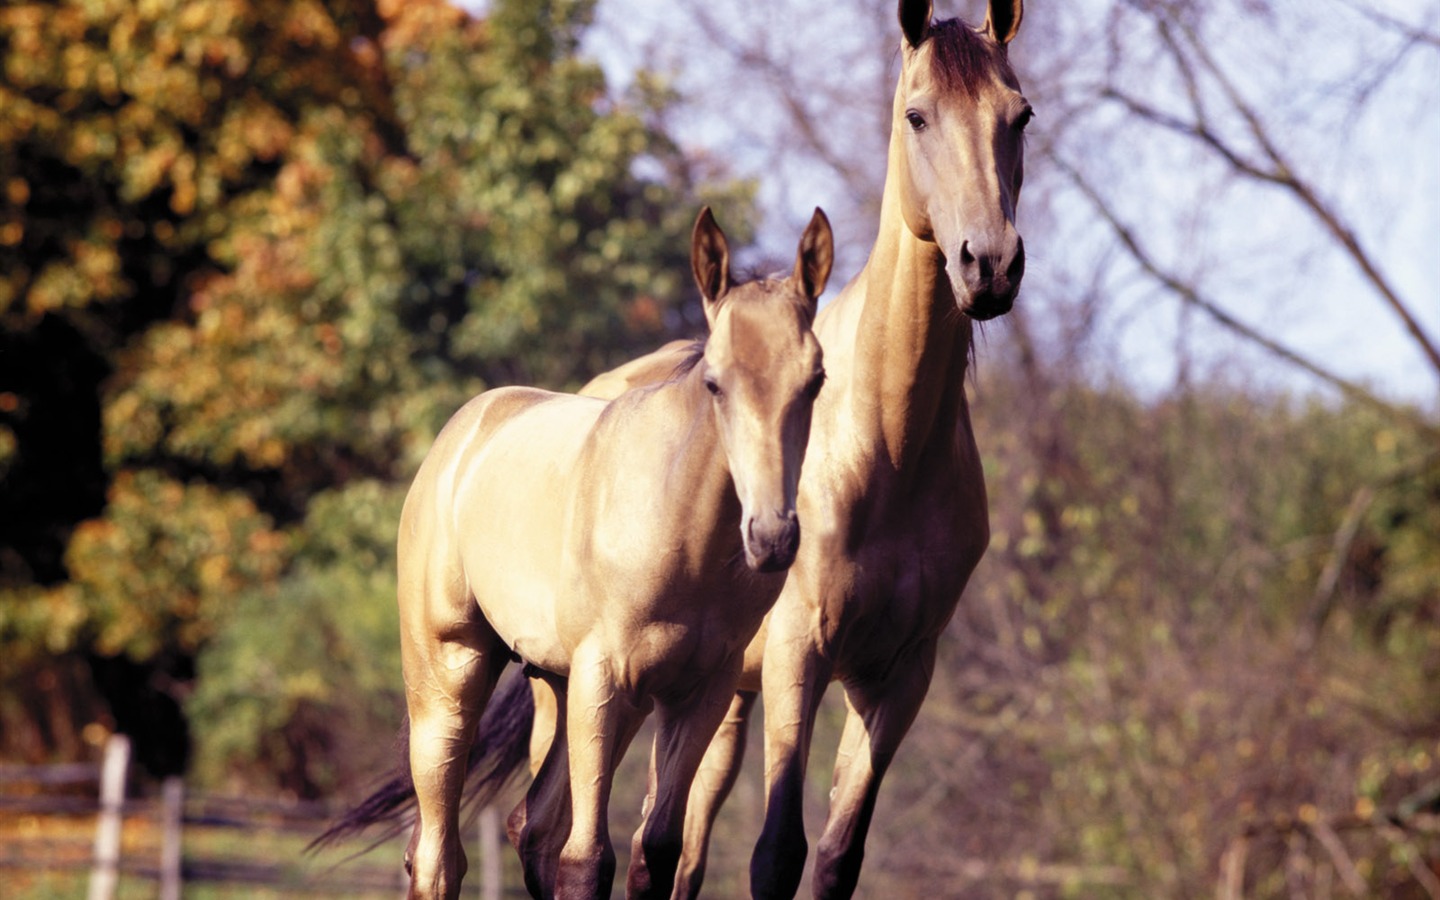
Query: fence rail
[[86, 791]]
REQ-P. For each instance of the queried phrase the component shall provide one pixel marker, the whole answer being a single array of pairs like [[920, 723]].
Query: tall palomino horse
[[893, 496], [601, 543]]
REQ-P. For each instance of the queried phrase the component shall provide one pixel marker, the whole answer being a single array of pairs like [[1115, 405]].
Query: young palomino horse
[[600, 543], [893, 496]]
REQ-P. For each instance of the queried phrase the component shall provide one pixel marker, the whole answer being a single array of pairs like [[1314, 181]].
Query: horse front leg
[[713, 782], [448, 678], [600, 722], [877, 718], [683, 734], [793, 682]]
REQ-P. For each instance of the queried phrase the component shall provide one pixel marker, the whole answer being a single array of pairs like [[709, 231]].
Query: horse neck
[[911, 345]]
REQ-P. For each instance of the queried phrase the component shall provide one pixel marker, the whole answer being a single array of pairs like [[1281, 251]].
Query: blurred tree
[[131, 137], [252, 255]]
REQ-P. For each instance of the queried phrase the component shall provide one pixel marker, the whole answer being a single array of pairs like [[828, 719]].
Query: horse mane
[[960, 57], [693, 354]]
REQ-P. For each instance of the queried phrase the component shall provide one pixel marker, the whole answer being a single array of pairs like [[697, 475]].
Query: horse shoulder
[[624, 491]]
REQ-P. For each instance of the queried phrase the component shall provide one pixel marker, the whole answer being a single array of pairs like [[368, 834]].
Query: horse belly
[[511, 509], [672, 659]]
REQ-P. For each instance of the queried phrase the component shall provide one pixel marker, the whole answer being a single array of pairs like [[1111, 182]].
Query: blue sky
[[1249, 246]]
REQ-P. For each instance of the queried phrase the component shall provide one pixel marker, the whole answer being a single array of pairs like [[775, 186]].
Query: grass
[[48, 856]]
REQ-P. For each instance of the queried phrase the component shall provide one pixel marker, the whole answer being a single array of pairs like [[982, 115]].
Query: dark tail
[[500, 751]]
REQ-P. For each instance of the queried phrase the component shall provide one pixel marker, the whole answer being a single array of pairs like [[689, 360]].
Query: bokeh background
[[253, 253]]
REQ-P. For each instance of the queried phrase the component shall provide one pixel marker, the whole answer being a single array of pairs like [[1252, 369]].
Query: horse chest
[[894, 577], [689, 606], [905, 589]]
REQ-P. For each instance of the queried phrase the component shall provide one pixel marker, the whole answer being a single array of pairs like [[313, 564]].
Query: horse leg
[[792, 683], [545, 721], [600, 721], [713, 782], [449, 674], [540, 823], [877, 719], [683, 734]]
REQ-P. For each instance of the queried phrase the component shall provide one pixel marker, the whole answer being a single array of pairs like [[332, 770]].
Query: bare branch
[[1282, 173], [1414, 859], [1324, 599], [784, 86], [1189, 294], [1344, 865], [1413, 34]]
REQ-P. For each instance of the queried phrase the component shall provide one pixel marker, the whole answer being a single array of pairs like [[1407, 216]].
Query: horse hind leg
[[450, 671], [540, 824], [546, 719]]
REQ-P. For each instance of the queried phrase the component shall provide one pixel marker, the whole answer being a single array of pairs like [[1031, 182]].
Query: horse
[[893, 493], [625, 551]]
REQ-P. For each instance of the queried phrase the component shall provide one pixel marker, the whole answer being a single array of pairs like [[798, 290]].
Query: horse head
[[762, 367], [957, 137]]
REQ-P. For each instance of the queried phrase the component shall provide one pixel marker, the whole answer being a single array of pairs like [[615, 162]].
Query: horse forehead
[[760, 330], [958, 63]]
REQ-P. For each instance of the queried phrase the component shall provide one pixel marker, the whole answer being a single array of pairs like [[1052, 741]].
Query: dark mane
[[693, 355], [960, 57]]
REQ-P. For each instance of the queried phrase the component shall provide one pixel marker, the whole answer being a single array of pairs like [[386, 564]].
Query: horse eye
[[1024, 118], [916, 120], [712, 386], [812, 390]]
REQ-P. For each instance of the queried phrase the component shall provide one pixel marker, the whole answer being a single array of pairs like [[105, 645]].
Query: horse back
[[652, 368]]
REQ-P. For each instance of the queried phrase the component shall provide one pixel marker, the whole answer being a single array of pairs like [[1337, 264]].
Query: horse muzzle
[[771, 541], [986, 282]]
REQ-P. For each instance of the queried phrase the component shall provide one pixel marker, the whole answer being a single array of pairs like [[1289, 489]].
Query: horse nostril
[[966, 257], [1017, 264]]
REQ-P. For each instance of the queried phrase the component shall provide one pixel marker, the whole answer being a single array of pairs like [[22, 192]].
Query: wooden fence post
[[492, 871], [105, 876], [172, 812]]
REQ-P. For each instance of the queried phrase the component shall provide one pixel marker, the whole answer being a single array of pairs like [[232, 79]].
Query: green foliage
[[160, 569], [1189, 658], [253, 253], [304, 679]]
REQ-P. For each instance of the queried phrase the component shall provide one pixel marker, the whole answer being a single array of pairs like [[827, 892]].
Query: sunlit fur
[[626, 551]]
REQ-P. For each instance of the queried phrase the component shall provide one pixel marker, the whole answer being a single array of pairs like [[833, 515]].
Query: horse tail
[[500, 751], [502, 746]]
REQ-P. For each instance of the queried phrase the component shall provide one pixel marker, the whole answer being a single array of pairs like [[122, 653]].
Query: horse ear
[[815, 256], [1002, 20], [710, 260], [915, 20]]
